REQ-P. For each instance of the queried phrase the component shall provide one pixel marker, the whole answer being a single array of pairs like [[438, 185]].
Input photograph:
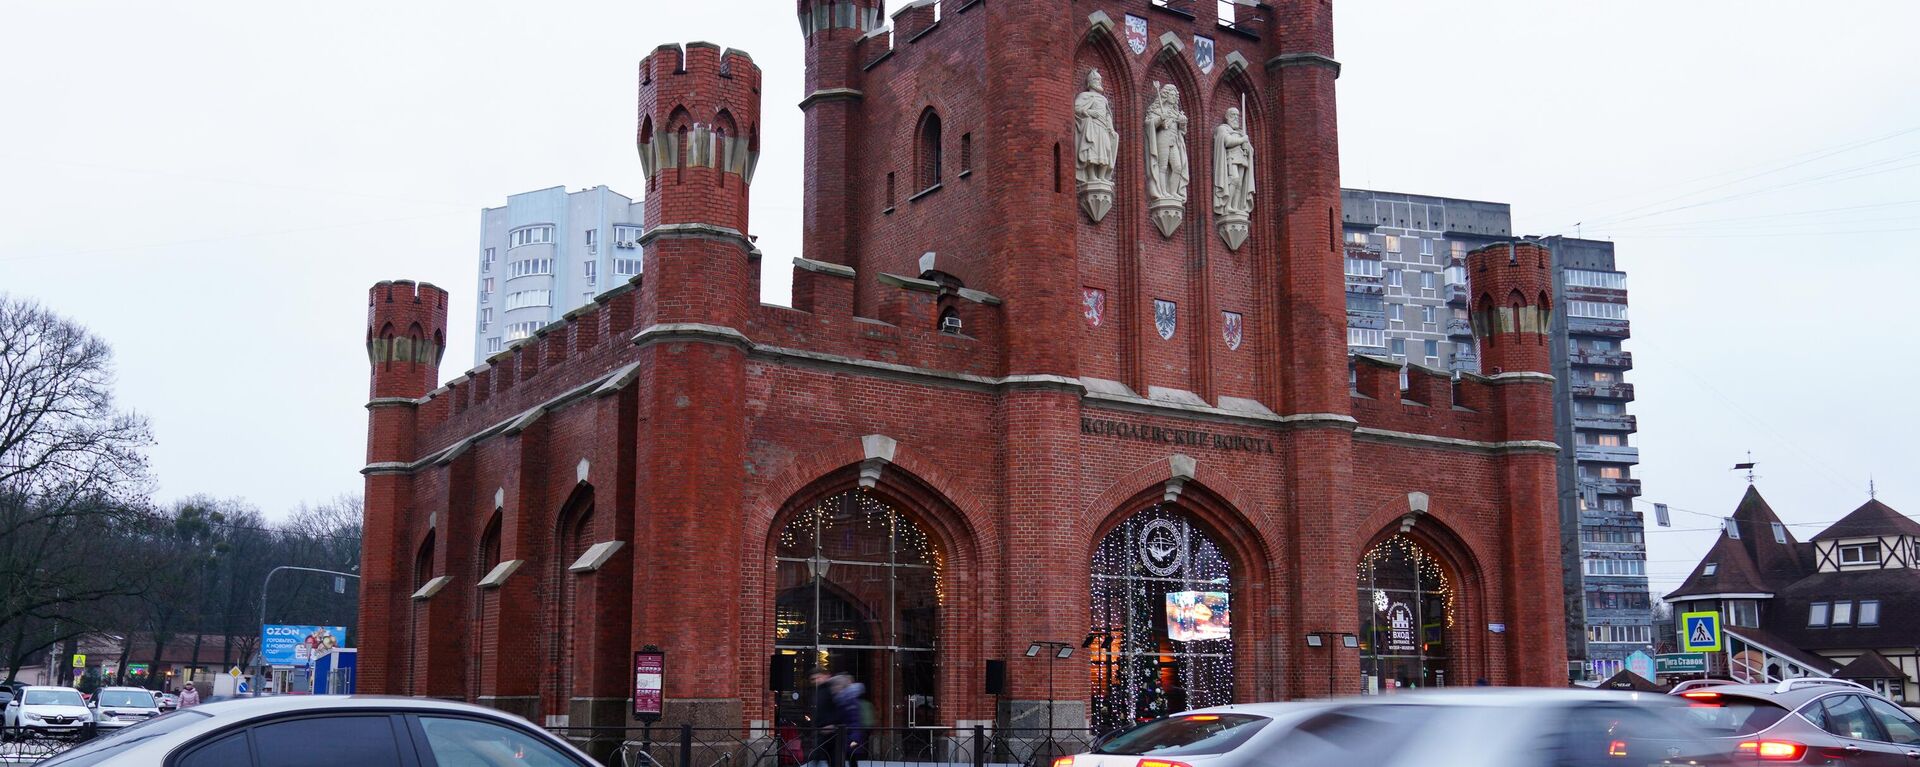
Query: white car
[[48, 711], [352, 730], [117, 707]]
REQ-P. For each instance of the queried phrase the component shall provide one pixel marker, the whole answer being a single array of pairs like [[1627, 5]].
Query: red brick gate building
[[1066, 362]]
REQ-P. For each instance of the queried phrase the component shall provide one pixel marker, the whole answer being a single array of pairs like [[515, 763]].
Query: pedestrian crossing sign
[[1700, 632]]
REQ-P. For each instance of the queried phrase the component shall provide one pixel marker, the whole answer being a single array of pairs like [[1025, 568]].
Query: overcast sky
[[213, 185]]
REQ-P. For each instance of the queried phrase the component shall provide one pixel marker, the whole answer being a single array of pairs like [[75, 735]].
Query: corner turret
[[833, 31], [1512, 286], [406, 337]]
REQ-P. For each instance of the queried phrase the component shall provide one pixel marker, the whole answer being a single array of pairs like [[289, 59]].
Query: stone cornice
[[691, 331], [822, 267], [380, 402], [1522, 376], [831, 94], [1285, 60], [697, 231], [1429, 440]]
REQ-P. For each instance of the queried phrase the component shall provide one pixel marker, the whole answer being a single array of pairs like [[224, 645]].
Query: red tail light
[[1774, 750], [1160, 763], [1617, 748], [1065, 761], [1204, 718], [1701, 695]]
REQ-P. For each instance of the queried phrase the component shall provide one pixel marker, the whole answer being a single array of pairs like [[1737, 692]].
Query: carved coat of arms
[[1232, 329], [1136, 34], [1166, 317], [1094, 301]]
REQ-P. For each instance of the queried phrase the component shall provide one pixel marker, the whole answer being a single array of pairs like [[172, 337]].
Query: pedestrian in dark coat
[[828, 743]]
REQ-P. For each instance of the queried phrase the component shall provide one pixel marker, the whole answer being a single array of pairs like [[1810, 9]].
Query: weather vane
[[1747, 466]]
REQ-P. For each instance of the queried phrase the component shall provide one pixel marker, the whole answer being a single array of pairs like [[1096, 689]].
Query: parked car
[[1808, 721], [117, 707], [1484, 727], [48, 711], [328, 729], [168, 701]]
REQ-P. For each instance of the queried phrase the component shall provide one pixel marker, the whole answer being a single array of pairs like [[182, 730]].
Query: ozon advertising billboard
[[282, 645]]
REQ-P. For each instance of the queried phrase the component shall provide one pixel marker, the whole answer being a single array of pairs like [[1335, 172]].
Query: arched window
[[572, 535], [1164, 639], [858, 589], [1406, 617], [489, 558], [929, 155]]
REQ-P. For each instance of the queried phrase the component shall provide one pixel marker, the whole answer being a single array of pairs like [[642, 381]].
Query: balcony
[[1368, 320], [1592, 326], [1615, 391], [1606, 453], [1456, 295], [1362, 284], [1607, 422], [1613, 486], [1457, 327], [1614, 359]]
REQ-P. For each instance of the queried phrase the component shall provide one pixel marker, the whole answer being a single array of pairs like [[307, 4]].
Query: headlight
[[31, 717]]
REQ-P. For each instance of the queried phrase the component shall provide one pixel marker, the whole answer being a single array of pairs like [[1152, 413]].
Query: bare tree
[[72, 478]]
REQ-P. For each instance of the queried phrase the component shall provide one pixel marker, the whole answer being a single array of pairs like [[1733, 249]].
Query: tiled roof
[[1874, 518], [1871, 665]]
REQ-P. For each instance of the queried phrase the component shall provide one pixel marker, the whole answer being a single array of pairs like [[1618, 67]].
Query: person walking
[[189, 696], [855, 713], [827, 741]]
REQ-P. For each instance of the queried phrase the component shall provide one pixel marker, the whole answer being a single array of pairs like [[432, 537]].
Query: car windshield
[[107, 746], [1186, 735], [53, 698], [1731, 716], [126, 698]]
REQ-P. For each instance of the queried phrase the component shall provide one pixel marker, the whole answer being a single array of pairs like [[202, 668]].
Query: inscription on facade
[[1140, 432]]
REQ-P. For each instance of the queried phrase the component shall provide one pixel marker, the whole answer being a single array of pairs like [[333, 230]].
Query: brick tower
[[406, 336], [1512, 308], [699, 114]]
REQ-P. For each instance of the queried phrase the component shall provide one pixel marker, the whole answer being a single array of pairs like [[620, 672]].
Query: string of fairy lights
[[1138, 671]]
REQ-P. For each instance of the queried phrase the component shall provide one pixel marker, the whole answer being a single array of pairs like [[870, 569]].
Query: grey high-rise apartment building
[[1407, 300], [1597, 486], [546, 253]]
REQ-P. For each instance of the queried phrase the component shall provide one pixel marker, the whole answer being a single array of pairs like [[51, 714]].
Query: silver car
[[358, 731], [1484, 727]]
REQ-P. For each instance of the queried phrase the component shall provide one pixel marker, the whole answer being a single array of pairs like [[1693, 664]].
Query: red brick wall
[[701, 444]]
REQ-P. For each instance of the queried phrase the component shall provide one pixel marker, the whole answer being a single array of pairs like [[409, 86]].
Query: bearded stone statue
[[1167, 172], [1097, 145]]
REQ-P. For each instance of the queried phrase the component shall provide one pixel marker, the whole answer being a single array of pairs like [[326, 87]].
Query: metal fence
[[29, 749], [687, 746]]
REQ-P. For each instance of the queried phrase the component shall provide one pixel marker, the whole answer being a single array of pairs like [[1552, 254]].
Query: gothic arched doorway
[[1406, 617], [1162, 637], [857, 589]]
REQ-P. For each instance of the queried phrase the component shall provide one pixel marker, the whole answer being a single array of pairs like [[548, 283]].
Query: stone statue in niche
[[1232, 179], [1167, 173], [1097, 144]]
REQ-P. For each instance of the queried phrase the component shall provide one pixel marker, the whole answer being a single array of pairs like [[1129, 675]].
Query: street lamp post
[[261, 650]]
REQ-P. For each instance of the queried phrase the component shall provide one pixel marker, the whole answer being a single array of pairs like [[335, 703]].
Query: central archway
[[1407, 613], [1162, 637], [858, 589]]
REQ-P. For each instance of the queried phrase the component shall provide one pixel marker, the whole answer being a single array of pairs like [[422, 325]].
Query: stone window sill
[[924, 192]]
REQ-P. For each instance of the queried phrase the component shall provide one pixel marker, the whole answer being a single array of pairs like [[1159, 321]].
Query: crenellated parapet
[[406, 337], [1512, 306], [699, 126]]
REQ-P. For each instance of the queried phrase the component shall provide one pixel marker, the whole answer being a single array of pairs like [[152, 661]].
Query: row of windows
[[1584, 407], [1612, 600], [529, 298], [1620, 634], [626, 267], [1581, 278], [1603, 439], [532, 235], [1597, 310], [1615, 566], [519, 330], [1825, 614], [530, 266], [1424, 247], [1366, 337], [1607, 535], [1363, 267], [1432, 349]]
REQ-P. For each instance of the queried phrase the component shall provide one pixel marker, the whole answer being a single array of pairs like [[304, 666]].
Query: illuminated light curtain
[[1161, 620]]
